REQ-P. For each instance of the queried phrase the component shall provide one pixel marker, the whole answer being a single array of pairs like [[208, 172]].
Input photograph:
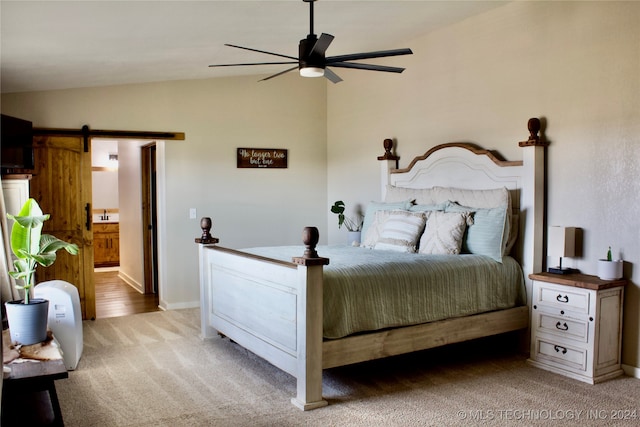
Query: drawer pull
[[559, 349], [563, 299], [562, 326]]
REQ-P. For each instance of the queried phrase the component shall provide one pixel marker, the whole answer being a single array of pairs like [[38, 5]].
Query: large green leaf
[[51, 244], [338, 208], [22, 269], [27, 228]]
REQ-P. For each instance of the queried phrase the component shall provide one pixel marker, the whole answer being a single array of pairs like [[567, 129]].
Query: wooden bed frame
[[274, 308]]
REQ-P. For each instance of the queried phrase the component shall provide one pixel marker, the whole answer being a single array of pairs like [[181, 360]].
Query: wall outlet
[[193, 214]]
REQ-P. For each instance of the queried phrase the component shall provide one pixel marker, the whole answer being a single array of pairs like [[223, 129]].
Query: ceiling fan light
[[312, 72]]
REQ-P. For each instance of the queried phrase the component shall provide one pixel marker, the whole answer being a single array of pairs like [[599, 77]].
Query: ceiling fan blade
[[321, 45], [368, 55], [252, 63], [367, 67], [261, 51], [278, 74], [331, 76]]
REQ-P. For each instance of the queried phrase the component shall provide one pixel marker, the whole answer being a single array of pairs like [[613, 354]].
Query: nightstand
[[576, 325]]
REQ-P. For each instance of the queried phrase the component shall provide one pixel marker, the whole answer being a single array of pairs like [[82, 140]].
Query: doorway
[[52, 183], [128, 287]]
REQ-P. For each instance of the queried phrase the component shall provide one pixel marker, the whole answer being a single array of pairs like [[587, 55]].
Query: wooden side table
[[576, 325], [29, 393]]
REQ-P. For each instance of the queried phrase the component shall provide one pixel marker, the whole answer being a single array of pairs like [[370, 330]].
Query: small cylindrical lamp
[[561, 243]]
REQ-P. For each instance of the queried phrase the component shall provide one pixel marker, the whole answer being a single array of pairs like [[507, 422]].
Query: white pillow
[[420, 196], [443, 233], [370, 238], [374, 207], [401, 231]]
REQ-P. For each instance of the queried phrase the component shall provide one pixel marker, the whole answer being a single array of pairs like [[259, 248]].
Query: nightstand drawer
[[562, 327], [571, 357], [563, 298]]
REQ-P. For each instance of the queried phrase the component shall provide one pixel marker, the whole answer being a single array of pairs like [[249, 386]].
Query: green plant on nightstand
[[608, 268]]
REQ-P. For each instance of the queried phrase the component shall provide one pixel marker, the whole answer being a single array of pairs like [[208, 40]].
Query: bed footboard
[[272, 308]]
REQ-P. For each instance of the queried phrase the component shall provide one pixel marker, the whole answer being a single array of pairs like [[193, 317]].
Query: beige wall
[[575, 64], [130, 205], [249, 207], [104, 182]]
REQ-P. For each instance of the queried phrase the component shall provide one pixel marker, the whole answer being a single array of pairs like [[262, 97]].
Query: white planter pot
[[609, 270], [353, 238], [28, 322]]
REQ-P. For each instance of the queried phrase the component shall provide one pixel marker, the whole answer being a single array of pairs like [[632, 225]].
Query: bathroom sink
[[109, 218]]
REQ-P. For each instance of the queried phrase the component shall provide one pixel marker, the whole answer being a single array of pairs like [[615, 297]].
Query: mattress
[[368, 290]]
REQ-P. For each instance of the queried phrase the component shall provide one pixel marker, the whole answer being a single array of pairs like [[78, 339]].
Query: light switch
[[193, 214]]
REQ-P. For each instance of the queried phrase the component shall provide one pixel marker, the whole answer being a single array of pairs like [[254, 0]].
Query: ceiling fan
[[311, 60]]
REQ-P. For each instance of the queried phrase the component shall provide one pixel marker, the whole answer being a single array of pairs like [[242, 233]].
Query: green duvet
[[366, 289]]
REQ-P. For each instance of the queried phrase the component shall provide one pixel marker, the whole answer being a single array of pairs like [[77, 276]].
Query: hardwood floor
[[116, 298]]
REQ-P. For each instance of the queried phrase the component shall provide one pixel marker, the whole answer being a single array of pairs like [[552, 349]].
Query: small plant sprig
[[609, 257], [351, 225]]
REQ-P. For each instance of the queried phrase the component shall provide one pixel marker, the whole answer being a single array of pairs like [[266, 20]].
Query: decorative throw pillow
[[401, 231], [443, 233], [488, 234], [373, 207], [374, 229]]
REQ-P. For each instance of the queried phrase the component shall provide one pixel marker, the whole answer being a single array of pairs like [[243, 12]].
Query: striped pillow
[[374, 207], [375, 228], [489, 233], [401, 231]]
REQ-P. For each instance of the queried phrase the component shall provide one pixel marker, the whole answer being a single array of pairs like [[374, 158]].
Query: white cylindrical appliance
[[65, 318]]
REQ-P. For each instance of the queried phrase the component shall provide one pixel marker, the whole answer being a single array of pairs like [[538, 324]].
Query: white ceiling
[[67, 44]]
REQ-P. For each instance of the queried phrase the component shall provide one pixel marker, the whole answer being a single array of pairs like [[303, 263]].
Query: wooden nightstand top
[[584, 281]]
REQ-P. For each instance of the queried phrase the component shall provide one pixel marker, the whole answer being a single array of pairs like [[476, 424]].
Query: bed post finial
[[206, 238], [388, 155], [534, 139], [534, 127], [310, 238]]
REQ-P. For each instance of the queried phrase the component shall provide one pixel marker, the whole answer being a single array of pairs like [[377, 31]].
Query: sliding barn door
[[61, 184]]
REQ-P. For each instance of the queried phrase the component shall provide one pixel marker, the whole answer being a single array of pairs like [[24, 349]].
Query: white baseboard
[[131, 282], [106, 269], [177, 306], [632, 371]]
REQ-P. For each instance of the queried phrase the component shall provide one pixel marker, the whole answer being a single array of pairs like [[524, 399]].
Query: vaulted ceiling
[[55, 44]]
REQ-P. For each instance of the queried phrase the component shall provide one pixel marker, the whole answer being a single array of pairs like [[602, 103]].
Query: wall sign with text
[[262, 158]]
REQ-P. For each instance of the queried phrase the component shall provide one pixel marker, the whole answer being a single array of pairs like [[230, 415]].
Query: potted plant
[[354, 227], [28, 317], [608, 269]]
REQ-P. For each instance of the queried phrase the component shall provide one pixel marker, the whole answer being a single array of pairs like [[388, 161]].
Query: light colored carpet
[[153, 370]]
